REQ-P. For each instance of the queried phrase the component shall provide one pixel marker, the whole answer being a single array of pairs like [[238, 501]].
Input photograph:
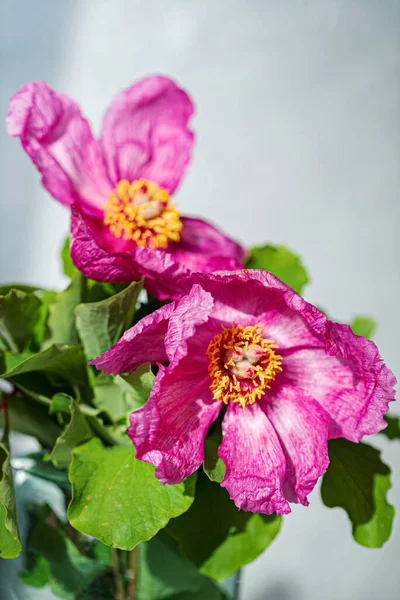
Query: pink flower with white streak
[[124, 225], [288, 378]]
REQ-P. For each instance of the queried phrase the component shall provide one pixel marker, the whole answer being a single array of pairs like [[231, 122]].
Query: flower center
[[141, 211], [242, 364]]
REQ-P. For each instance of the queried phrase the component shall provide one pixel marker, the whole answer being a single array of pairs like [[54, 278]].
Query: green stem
[[119, 588], [132, 562]]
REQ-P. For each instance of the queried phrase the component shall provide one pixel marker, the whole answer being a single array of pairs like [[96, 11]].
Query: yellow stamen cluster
[[226, 352], [141, 211]]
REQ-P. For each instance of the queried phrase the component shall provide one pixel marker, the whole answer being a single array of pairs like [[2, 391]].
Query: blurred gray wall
[[298, 142]]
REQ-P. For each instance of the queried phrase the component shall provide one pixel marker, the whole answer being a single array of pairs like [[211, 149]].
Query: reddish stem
[[4, 406]]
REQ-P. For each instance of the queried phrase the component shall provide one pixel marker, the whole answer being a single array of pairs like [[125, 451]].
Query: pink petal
[[169, 431], [302, 427], [61, 145], [248, 297], [161, 271], [95, 261], [204, 263], [203, 248], [199, 236], [146, 134], [342, 371], [91, 252], [160, 336], [352, 383], [254, 459]]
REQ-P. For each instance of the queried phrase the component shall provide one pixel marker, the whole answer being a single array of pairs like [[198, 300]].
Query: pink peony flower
[[288, 378], [118, 188]]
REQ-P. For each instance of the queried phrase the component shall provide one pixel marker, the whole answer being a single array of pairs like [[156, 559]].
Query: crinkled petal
[[103, 257], [169, 431], [248, 297], [203, 263], [342, 371], [160, 336], [95, 261], [201, 248], [162, 273], [351, 383], [204, 248], [61, 145], [91, 252], [146, 134], [302, 427], [254, 459]]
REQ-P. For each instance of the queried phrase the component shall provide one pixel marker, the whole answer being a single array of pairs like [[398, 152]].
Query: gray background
[[298, 142]]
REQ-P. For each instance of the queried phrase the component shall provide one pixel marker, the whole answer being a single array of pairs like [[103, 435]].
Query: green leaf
[[100, 290], [35, 386], [392, 431], [280, 261], [32, 419], [114, 435], [162, 574], [63, 362], [213, 466], [70, 571], [19, 314], [100, 324], [103, 553], [218, 537], [76, 432], [13, 359], [28, 289], [41, 327], [60, 405], [119, 395], [364, 326], [117, 499], [38, 575], [34, 464], [357, 481], [10, 544], [61, 320], [69, 268]]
